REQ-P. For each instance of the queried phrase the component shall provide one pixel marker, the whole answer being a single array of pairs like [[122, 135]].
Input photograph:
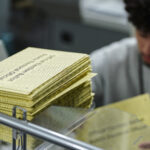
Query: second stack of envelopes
[[36, 78]]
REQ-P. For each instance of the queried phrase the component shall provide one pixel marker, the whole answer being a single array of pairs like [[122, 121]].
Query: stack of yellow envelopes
[[36, 78]]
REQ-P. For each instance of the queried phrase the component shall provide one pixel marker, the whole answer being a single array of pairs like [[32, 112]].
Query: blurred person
[[123, 67]]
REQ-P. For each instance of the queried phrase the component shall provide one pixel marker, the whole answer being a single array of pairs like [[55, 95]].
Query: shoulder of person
[[114, 52]]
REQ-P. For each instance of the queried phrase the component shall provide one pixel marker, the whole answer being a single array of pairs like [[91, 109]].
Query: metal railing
[[45, 134]]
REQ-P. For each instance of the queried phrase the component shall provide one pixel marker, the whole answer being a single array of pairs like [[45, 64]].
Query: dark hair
[[139, 14]]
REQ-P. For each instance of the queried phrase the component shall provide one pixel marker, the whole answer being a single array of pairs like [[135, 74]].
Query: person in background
[[123, 67]]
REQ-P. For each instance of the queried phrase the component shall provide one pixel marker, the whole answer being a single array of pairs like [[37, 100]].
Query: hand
[[145, 146]]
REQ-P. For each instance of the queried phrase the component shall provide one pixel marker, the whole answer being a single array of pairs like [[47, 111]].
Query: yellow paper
[[32, 67], [36, 78], [139, 105], [112, 129]]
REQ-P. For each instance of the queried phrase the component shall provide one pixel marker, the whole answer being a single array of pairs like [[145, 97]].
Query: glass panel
[[113, 129], [56, 118]]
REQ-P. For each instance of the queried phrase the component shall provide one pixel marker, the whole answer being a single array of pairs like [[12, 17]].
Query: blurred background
[[70, 25]]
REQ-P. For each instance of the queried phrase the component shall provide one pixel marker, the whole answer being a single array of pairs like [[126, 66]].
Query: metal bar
[[14, 132], [24, 141], [45, 134], [22, 134], [14, 143]]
